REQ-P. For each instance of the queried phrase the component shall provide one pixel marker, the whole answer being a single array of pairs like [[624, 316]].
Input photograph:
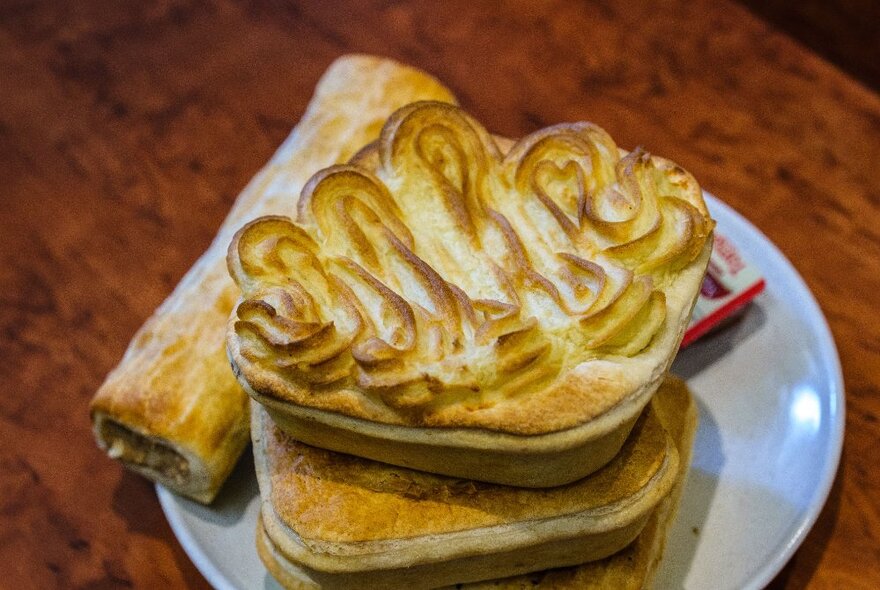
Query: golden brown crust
[[451, 284], [339, 482], [173, 392], [330, 497], [634, 567]]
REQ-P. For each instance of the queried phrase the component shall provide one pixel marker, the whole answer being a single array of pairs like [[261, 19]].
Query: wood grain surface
[[127, 129], [844, 31]]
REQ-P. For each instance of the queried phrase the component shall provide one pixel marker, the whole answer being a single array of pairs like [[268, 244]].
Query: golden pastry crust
[[438, 281], [323, 510], [328, 497], [172, 410], [634, 567]]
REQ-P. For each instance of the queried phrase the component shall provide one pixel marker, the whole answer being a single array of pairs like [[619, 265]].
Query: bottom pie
[[330, 520]]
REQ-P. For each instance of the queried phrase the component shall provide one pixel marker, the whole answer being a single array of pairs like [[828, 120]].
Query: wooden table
[[127, 129]]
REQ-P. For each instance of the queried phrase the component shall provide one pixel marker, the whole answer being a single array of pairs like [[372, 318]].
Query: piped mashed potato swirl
[[436, 271]]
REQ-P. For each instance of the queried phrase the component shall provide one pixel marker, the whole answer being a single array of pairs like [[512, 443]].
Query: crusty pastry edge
[[295, 577], [159, 458], [347, 557]]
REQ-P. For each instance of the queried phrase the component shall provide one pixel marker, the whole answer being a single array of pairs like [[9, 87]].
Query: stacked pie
[[454, 345]]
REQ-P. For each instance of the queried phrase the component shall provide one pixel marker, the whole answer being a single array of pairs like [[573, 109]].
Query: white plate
[[771, 400]]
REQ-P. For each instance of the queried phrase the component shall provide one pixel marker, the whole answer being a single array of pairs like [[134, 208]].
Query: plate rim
[[168, 500], [827, 350], [829, 354]]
